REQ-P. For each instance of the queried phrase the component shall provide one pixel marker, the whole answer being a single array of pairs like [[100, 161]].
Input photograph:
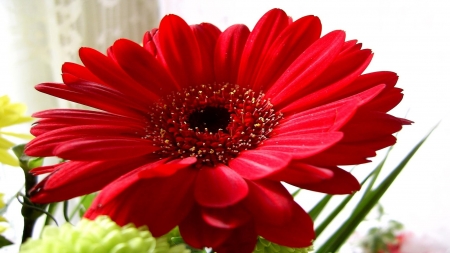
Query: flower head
[[264, 246], [99, 235], [10, 114], [198, 127]]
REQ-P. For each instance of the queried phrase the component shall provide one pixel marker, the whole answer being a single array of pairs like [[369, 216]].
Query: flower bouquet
[[193, 135]]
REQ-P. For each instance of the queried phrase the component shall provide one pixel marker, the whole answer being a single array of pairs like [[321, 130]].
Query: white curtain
[[38, 36]]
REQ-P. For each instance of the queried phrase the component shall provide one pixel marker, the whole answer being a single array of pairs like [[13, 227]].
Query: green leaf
[[27, 163], [339, 208], [30, 211], [366, 204], [4, 242], [375, 173], [295, 193], [318, 208], [51, 210], [86, 202]]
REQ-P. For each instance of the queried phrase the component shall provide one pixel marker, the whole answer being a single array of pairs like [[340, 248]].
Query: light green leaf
[[27, 163]]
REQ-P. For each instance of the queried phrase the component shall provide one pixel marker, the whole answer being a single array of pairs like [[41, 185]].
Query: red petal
[[228, 53], [227, 218], [333, 81], [167, 169], [80, 71], [302, 146], [293, 40], [318, 120], [300, 173], [74, 178], [63, 91], [158, 203], [349, 46], [143, 67], [385, 101], [61, 118], [370, 125], [43, 169], [83, 117], [102, 93], [219, 187], [180, 50], [45, 144], [149, 42], [198, 234], [342, 182], [68, 114], [257, 164], [298, 232], [351, 153], [269, 202], [306, 68], [206, 35], [367, 81], [108, 71], [343, 71], [259, 41], [242, 239], [88, 149], [362, 98]]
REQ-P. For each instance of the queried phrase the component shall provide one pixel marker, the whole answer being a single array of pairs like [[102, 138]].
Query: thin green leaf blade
[[86, 203], [339, 208], [318, 208], [342, 234], [295, 193]]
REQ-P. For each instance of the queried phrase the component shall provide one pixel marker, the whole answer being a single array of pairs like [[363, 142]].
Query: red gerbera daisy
[[198, 128]]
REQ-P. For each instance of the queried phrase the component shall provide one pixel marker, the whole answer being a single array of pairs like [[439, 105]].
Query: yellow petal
[[21, 136], [7, 158], [5, 144]]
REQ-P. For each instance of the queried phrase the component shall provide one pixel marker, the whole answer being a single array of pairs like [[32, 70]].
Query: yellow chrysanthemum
[[2, 219], [10, 114]]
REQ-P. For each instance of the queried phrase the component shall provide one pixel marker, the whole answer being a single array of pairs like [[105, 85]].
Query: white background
[[411, 38]]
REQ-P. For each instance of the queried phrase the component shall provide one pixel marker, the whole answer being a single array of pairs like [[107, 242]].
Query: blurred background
[[411, 38]]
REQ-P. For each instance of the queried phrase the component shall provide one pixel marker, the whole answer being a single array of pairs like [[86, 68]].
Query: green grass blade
[[341, 235], [318, 208], [295, 193], [332, 215], [51, 209], [339, 208], [376, 173]]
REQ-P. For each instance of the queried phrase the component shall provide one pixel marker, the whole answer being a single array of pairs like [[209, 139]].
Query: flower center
[[210, 119], [211, 122]]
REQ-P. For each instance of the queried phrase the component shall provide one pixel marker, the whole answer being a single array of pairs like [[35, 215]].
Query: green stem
[[51, 210], [28, 218], [77, 207]]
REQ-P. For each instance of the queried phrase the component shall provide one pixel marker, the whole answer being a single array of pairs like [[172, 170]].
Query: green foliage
[[264, 246], [4, 242], [99, 235], [27, 163], [369, 200], [380, 238]]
